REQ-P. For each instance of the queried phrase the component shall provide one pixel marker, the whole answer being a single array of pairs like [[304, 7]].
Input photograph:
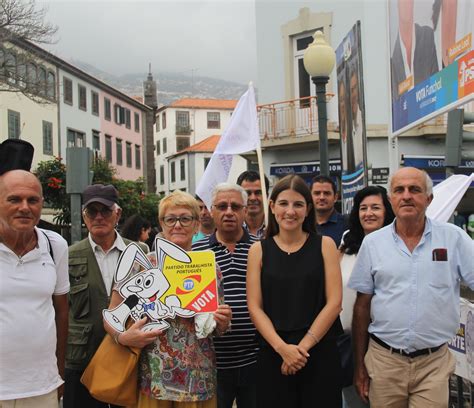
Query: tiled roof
[[204, 103], [207, 145]]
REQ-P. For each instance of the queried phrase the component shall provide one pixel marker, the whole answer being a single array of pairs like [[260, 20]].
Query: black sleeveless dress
[[293, 294]]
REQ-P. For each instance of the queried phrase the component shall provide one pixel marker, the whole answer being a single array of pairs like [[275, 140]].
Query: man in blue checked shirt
[[407, 276]]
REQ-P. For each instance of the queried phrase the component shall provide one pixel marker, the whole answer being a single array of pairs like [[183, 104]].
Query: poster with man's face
[[431, 58], [351, 116]]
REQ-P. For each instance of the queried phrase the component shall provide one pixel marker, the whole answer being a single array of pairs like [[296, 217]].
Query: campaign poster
[[431, 59], [195, 283], [462, 344], [351, 108]]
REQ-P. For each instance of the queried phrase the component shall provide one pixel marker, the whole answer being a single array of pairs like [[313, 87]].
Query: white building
[[283, 33], [21, 117], [182, 125]]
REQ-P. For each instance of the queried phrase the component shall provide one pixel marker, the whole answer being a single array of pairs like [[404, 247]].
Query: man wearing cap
[[92, 263], [33, 295]]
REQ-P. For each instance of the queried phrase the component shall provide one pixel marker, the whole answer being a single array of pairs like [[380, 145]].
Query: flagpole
[[262, 183]]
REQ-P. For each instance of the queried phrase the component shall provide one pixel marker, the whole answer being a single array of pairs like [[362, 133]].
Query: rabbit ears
[[133, 253]]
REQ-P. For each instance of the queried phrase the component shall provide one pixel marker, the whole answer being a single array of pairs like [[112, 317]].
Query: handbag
[[112, 374]]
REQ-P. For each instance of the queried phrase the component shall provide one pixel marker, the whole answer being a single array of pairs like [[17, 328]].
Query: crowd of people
[[315, 308]]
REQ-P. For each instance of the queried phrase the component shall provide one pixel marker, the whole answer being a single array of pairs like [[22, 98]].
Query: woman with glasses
[[176, 369], [371, 211], [294, 298]]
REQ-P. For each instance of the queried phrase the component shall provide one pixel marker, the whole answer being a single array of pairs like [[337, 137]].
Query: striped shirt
[[238, 347]]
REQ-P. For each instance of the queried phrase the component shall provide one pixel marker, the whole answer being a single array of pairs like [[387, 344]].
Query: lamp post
[[319, 60]]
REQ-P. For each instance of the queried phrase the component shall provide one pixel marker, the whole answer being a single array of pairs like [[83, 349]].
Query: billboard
[[431, 59], [351, 106]]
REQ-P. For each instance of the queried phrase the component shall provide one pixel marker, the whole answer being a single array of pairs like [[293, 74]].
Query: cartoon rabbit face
[[147, 284]]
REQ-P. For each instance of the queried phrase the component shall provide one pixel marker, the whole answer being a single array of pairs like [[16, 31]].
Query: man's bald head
[[21, 202]]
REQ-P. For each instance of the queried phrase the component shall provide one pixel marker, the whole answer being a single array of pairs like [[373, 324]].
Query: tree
[[52, 176], [22, 20], [21, 70], [132, 199]]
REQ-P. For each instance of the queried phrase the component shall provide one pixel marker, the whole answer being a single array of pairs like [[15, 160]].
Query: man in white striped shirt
[[237, 349]]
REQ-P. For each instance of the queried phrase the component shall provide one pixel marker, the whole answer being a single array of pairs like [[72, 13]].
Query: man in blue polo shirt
[[407, 276], [328, 221]]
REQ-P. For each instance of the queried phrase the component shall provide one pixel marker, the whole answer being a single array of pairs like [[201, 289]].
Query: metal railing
[[292, 118]]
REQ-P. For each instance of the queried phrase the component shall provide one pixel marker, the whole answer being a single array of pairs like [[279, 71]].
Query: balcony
[[296, 119], [183, 130]]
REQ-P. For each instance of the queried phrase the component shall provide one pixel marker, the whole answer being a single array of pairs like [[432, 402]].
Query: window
[[162, 174], [10, 67], [51, 85], [158, 151], [137, 121], [129, 154], [119, 151], [173, 172], [2, 64], [32, 77], [47, 137], [21, 71], [303, 85], [213, 120], [165, 146], [82, 97], [119, 114], [182, 169], [108, 148], [14, 128], [95, 141], [138, 157], [75, 138], [163, 117], [182, 123], [41, 81], [157, 123], [206, 162], [95, 103], [67, 85], [182, 142], [107, 112], [127, 118]]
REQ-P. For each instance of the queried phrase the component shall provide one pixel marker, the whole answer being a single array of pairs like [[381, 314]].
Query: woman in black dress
[[294, 297]]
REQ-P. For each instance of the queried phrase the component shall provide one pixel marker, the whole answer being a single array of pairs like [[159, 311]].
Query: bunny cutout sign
[[180, 284]]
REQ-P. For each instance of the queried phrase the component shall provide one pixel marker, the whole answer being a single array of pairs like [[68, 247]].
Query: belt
[[413, 354]]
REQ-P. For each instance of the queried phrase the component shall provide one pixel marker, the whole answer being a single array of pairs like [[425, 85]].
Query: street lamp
[[319, 60]]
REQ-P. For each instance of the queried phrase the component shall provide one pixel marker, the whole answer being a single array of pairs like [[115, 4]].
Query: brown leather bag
[[112, 374]]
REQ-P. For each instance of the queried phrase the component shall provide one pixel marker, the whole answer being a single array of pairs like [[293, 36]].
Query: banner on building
[[431, 59], [352, 129]]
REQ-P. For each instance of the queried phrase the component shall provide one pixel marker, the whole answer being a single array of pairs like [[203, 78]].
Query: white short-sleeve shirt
[[28, 365]]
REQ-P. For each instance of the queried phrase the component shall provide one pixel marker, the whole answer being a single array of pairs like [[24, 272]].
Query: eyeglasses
[[171, 220], [91, 212], [224, 206]]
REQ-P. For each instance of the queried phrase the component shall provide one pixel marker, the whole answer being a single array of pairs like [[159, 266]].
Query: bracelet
[[313, 336], [116, 336]]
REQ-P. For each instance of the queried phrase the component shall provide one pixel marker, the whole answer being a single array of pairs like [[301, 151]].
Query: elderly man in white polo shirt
[[407, 276], [33, 298]]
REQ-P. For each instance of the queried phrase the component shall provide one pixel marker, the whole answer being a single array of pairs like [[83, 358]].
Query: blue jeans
[[239, 384]]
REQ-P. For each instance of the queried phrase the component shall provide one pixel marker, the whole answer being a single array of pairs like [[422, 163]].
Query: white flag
[[241, 135], [446, 196]]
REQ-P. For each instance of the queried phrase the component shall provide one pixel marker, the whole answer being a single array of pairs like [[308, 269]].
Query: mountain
[[171, 86]]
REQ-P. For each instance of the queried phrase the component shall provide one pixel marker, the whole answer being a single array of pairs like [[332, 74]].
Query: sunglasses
[[184, 220], [233, 206], [91, 212]]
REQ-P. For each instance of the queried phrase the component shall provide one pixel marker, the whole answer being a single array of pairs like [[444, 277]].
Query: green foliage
[[104, 172], [132, 199], [52, 175]]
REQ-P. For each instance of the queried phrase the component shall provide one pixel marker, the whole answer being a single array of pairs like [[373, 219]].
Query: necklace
[[293, 247]]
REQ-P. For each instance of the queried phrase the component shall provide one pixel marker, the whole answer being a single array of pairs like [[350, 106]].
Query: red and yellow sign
[[193, 283]]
